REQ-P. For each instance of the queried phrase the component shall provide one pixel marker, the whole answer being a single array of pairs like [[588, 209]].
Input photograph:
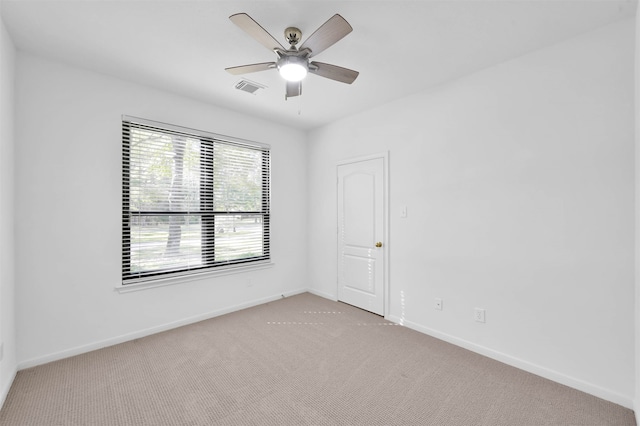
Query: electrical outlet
[[438, 304], [403, 212], [479, 315]]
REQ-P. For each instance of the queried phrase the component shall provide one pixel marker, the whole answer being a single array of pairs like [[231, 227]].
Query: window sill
[[220, 271]]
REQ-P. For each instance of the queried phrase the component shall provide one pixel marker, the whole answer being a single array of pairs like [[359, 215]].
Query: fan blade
[[333, 72], [327, 35], [294, 88], [245, 69], [255, 30]]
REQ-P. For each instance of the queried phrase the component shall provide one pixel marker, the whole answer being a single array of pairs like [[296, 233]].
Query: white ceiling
[[399, 47]]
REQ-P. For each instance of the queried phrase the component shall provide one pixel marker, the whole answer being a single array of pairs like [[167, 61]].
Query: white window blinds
[[191, 200]]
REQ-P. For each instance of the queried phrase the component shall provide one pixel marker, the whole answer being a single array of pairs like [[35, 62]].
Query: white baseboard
[[149, 331], [636, 409], [556, 376], [6, 387], [323, 294]]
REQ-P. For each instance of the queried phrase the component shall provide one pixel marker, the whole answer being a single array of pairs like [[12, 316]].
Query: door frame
[[385, 221]]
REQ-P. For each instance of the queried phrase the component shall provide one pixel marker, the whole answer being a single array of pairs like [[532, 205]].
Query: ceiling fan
[[294, 63]]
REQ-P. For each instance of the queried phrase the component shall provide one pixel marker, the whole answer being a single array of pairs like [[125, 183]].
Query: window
[[191, 201]]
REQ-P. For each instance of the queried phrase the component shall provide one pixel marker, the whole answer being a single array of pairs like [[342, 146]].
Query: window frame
[[209, 265]]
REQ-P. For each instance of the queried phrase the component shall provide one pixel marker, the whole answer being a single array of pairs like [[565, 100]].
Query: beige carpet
[[302, 360]]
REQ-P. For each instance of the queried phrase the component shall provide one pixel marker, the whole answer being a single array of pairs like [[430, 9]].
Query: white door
[[361, 231]]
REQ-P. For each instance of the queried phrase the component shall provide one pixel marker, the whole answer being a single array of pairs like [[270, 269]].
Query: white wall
[[637, 218], [7, 273], [519, 183], [68, 198]]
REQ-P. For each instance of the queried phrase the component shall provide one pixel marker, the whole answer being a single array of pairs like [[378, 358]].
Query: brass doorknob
[[378, 244]]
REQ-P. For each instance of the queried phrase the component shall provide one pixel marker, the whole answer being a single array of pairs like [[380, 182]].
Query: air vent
[[249, 86]]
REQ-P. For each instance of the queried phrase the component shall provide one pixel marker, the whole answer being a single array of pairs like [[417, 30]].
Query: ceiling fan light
[[293, 72]]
